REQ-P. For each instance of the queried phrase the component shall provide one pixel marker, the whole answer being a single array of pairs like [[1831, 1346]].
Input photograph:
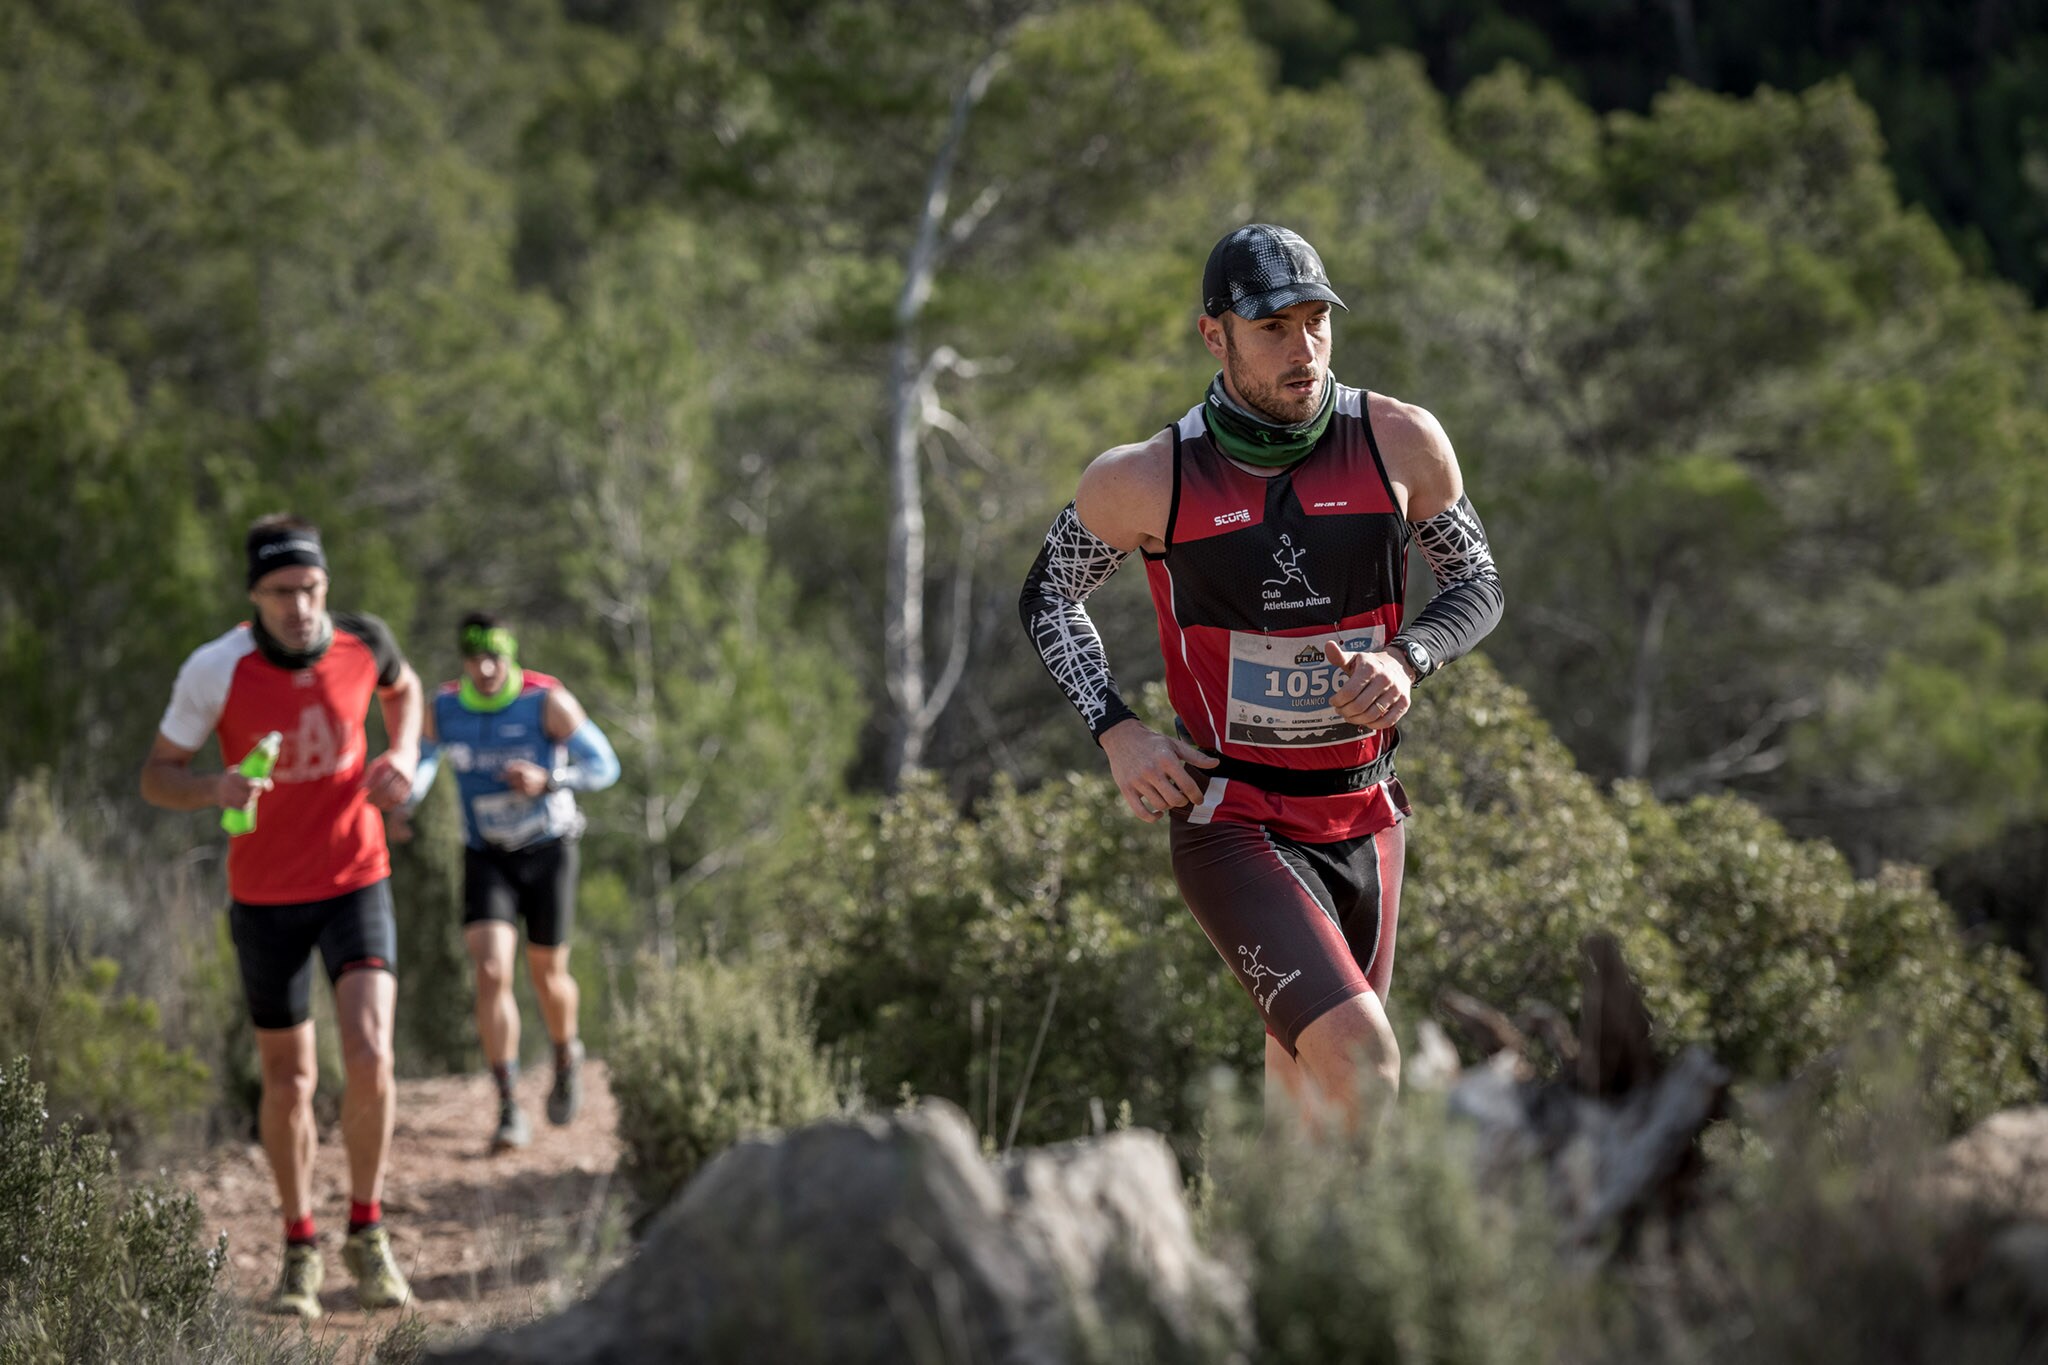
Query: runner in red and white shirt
[[313, 874], [1275, 519]]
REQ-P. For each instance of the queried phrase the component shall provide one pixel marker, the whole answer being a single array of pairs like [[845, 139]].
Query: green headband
[[488, 640]]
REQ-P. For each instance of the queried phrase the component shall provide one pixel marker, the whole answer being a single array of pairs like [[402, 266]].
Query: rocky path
[[486, 1240]]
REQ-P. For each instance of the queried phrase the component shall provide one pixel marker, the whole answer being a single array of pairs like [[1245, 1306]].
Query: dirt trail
[[486, 1240]]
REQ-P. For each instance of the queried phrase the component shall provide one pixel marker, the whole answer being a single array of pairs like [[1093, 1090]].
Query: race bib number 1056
[[1280, 689]]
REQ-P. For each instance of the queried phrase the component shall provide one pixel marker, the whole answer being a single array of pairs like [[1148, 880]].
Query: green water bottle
[[256, 763]]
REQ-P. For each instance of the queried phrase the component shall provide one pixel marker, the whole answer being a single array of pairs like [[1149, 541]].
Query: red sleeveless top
[[1257, 573]]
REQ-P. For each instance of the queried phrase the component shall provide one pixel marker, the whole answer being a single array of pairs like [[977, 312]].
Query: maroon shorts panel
[[1304, 926]]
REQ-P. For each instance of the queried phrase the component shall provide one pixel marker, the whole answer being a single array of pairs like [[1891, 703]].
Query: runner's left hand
[[388, 779], [1375, 696]]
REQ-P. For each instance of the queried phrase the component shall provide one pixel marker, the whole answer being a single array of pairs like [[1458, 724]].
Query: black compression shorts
[[1305, 927], [537, 882], [274, 948]]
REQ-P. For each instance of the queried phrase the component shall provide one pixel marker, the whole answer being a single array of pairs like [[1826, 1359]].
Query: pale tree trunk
[[915, 702], [1642, 710], [1685, 30], [629, 608], [653, 805]]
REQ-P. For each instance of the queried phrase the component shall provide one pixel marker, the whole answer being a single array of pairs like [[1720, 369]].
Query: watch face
[[1417, 656]]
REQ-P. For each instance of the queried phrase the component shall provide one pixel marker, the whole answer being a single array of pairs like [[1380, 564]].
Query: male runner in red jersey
[[314, 873], [1274, 519]]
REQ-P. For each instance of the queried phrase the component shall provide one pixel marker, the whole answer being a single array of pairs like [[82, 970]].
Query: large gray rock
[[891, 1239]]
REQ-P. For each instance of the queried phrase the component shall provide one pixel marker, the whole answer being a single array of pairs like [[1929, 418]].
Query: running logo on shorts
[[1258, 971]]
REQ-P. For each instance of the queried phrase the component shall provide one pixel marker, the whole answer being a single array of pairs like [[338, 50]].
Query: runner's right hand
[[524, 778], [1151, 769], [232, 791]]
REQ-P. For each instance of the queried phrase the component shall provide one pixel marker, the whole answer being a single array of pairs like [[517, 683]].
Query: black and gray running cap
[[1260, 269]]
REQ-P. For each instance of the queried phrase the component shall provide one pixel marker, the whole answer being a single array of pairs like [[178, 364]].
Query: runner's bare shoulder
[[1418, 455], [1126, 494]]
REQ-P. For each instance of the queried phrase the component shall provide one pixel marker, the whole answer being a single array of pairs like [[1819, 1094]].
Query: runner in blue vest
[[521, 747]]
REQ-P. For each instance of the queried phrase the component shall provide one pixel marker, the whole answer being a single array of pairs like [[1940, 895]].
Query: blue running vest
[[478, 745]]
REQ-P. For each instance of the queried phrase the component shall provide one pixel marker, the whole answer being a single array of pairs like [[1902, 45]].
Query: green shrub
[[86, 1275], [1794, 958], [708, 1055], [101, 1054], [951, 942], [1765, 948], [1514, 856]]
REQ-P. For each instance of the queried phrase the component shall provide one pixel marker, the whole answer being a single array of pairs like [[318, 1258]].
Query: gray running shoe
[[367, 1254], [513, 1129], [567, 1096], [298, 1288]]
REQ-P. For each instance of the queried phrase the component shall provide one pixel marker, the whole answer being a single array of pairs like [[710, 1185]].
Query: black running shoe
[[567, 1096]]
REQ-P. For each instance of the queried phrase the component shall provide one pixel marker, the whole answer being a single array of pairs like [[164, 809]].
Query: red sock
[[299, 1231], [361, 1216]]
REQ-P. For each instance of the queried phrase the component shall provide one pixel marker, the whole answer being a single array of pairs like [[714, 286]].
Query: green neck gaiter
[[1254, 440], [475, 699]]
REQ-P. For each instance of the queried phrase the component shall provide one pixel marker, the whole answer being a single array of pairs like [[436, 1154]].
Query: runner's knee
[[367, 1053], [493, 974], [1352, 1037], [288, 1084]]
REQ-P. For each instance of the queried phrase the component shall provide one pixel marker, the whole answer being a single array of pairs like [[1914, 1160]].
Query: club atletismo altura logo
[[1288, 557], [1257, 971]]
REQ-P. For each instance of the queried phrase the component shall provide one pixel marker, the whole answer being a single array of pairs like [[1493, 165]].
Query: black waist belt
[[1305, 781]]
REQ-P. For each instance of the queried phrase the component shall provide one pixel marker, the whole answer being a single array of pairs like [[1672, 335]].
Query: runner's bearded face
[[292, 604], [1279, 366]]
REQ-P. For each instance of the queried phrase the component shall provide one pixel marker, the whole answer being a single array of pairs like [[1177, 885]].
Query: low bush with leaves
[[711, 1053], [87, 1274], [1031, 962], [101, 1053], [93, 1272]]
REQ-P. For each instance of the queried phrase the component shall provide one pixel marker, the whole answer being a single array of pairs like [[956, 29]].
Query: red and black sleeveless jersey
[[1258, 571], [316, 833]]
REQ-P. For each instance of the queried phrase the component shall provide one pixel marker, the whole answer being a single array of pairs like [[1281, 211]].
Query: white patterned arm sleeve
[[1073, 564], [1469, 599]]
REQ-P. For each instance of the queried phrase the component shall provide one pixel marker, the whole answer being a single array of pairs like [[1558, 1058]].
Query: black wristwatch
[[1420, 665]]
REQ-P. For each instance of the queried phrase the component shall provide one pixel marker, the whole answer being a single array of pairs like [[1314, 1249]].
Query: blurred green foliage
[[1823, 1240]]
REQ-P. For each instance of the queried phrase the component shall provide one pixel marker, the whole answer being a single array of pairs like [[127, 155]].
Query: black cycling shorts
[[537, 882], [1304, 926], [274, 947]]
